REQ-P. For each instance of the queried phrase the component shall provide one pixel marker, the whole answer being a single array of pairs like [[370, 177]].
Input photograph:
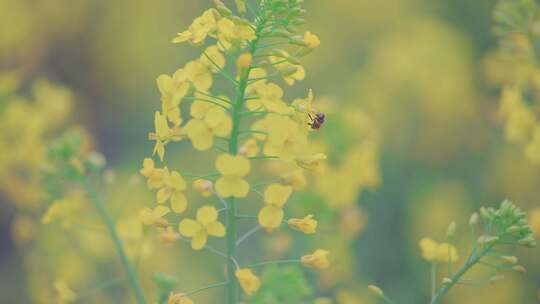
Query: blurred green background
[[415, 67]]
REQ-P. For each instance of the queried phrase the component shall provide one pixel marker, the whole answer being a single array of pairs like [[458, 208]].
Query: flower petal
[[189, 227]]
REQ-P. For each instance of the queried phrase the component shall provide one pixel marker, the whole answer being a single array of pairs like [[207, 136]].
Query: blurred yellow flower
[[306, 225], [311, 40], [317, 260], [64, 292], [249, 282], [311, 162], [232, 170], [179, 298], [207, 224], [438, 252], [275, 197], [534, 221]]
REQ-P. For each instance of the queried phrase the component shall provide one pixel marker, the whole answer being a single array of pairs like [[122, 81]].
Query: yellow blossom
[[63, 211], [199, 75], [437, 253], [306, 225], [285, 138], [241, 6], [317, 260], [232, 170], [173, 190], [534, 221], [154, 217], [64, 292], [295, 178], [231, 33], [205, 225], [172, 90], [312, 162], [275, 197], [203, 187], [201, 27], [213, 57], [254, 86], [270, 99], [532, 150], [249, 282], [155, 175], [201, 132], [311, 40], [163, 134], [179, 298]]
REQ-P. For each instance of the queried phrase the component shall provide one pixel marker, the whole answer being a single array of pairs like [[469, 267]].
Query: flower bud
[[509, 259], [244, 61], [376, 290], [474, 219], [451, 231], [447, 281]]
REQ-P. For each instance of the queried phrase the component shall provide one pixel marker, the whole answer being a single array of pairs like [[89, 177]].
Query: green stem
[[232, 233], [109, 222], [292, 261], [473, 259]]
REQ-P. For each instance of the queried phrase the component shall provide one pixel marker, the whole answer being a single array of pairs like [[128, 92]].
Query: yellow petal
[[178, 202], [232, 186], [189, 227], [232, 165], [207, 214], [163, 195], [216, 229], [199, 240], [200, 135], [277, 194], [177, 182], [270, 217]]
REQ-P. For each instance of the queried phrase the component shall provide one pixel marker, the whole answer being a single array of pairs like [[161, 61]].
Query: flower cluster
[[514, 67], [252, 51]]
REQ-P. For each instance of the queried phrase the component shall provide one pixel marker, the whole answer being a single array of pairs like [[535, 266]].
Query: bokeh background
[[409, 102]]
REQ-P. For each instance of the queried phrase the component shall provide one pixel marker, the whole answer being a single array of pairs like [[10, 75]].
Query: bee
[[317, 120]]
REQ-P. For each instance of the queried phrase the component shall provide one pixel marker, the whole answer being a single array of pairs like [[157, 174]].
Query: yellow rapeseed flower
[[249, 282], [275, 197], [154, 217], [534, 221], [311, 40], [163, 134], [172, 90], [155, 176], [201, 27], [179, 298], [232, 170], [270, 99], [311, 162], [64, 292], [215, 122], [317, 260], [205, 225], [173, 190], [438, 252], [306, 225]]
